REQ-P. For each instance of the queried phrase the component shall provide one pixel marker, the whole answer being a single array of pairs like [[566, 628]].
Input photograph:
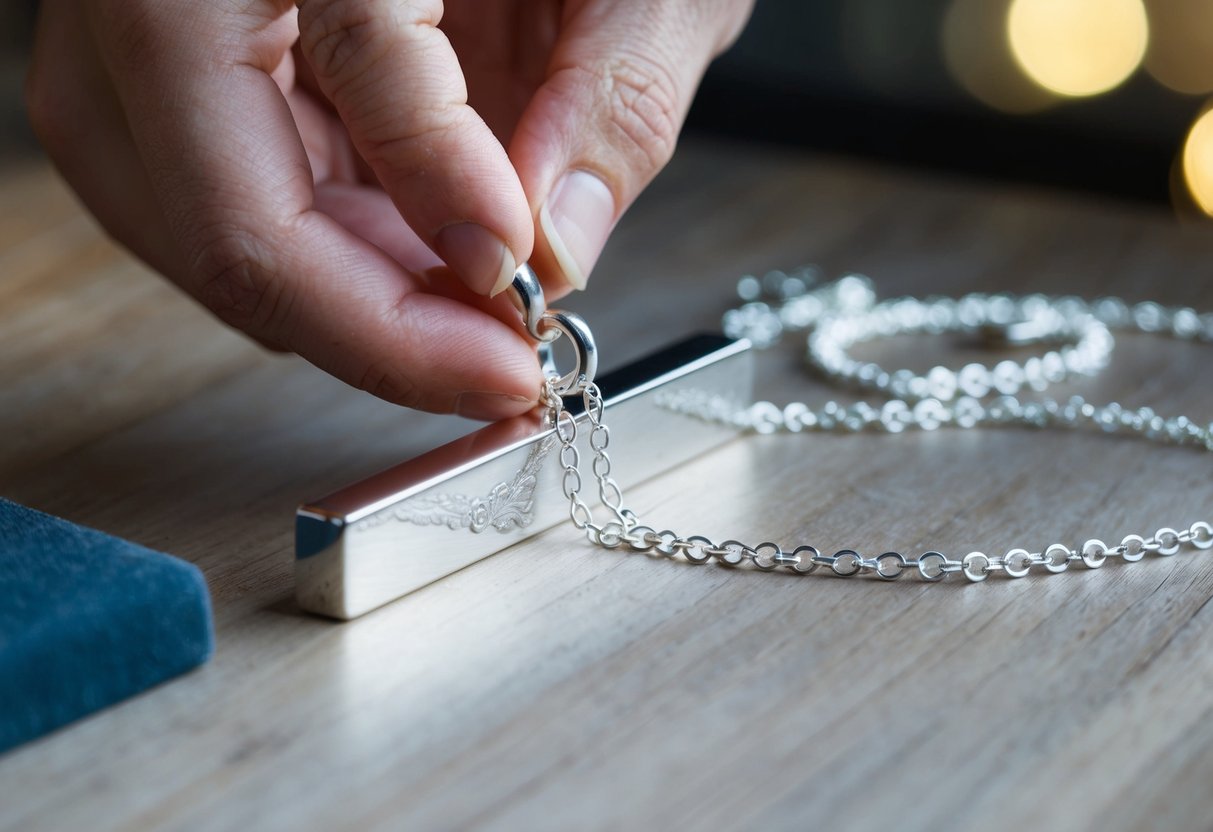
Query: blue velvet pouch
[[86, 620]]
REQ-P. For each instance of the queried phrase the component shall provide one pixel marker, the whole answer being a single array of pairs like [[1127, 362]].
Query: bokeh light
[[978, 55], [1198, 161], [1078, 47], [1181, 44]]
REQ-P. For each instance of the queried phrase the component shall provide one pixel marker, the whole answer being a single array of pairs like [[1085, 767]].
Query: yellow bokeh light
[[1198, 161], [978, 55], [1078, 47]]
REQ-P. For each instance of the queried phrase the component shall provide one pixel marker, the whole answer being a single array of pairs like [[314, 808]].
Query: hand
[[314, 176]]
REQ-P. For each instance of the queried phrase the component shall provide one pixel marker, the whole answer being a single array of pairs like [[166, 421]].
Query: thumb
[[606, 118]]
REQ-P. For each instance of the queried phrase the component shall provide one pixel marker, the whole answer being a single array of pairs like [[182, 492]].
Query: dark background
[[869, 78], [16, 21]]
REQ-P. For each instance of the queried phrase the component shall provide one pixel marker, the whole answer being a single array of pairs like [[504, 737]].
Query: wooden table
[[558, 687]]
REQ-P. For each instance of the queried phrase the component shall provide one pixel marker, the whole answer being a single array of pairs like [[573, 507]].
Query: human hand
[[315, 176]]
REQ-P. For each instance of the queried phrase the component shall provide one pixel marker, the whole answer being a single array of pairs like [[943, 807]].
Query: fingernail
[[477, 255], [576, 219], [490, 406]]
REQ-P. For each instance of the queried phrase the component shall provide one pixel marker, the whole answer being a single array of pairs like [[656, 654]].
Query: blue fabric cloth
[[86, 620]]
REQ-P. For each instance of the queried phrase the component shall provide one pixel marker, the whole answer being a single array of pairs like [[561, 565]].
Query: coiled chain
[[845, 312]]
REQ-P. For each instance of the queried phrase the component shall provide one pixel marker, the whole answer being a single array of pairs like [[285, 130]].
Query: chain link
[[845, 312]]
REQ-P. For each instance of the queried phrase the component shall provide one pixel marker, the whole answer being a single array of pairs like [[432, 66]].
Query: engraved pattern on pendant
[[507, 506]]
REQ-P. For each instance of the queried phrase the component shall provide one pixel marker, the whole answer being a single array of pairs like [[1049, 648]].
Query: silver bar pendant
[[410, 525]]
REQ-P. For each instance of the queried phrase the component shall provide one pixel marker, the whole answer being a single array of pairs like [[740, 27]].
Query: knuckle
[[384, 142], [342, 38], [385, 380], [348, 43], [644, 109], [241, 285]]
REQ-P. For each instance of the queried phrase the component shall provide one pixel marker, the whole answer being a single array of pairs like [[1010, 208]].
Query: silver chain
[[845, 312]]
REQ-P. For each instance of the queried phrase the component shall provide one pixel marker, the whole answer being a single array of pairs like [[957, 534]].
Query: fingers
[[395, 81], [231, 177], [606, 119]]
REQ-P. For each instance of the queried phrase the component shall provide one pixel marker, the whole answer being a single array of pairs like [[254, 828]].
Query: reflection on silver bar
[[406, 527]]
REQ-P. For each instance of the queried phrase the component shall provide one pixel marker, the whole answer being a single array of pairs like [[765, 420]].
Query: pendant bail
[[527, 294], [546, 326]]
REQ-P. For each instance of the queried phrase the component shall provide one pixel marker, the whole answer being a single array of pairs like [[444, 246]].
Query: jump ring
[[1017, 563], [585, 352], [976, 566], [697, 553], [926, 572], [846, 563], [898, 561], [807, 562], [1202, 535], [1133, 546], [1057, 558], [776, 552], [735, 553], [1168, 542]]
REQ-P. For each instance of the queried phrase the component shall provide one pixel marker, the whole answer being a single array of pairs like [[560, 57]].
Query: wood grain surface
[[558, 687]]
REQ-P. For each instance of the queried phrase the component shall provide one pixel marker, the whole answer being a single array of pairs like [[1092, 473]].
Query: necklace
[[837, 316]]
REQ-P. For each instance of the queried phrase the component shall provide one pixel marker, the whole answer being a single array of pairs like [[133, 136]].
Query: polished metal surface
[[397, 531], [548, 325], [526, 292], [585, 351]]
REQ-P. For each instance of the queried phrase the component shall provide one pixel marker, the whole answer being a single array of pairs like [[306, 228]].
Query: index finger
[[231, 175], [397, 84]]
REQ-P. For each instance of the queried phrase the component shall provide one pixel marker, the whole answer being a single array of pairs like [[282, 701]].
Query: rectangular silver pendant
[[410, 525]]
